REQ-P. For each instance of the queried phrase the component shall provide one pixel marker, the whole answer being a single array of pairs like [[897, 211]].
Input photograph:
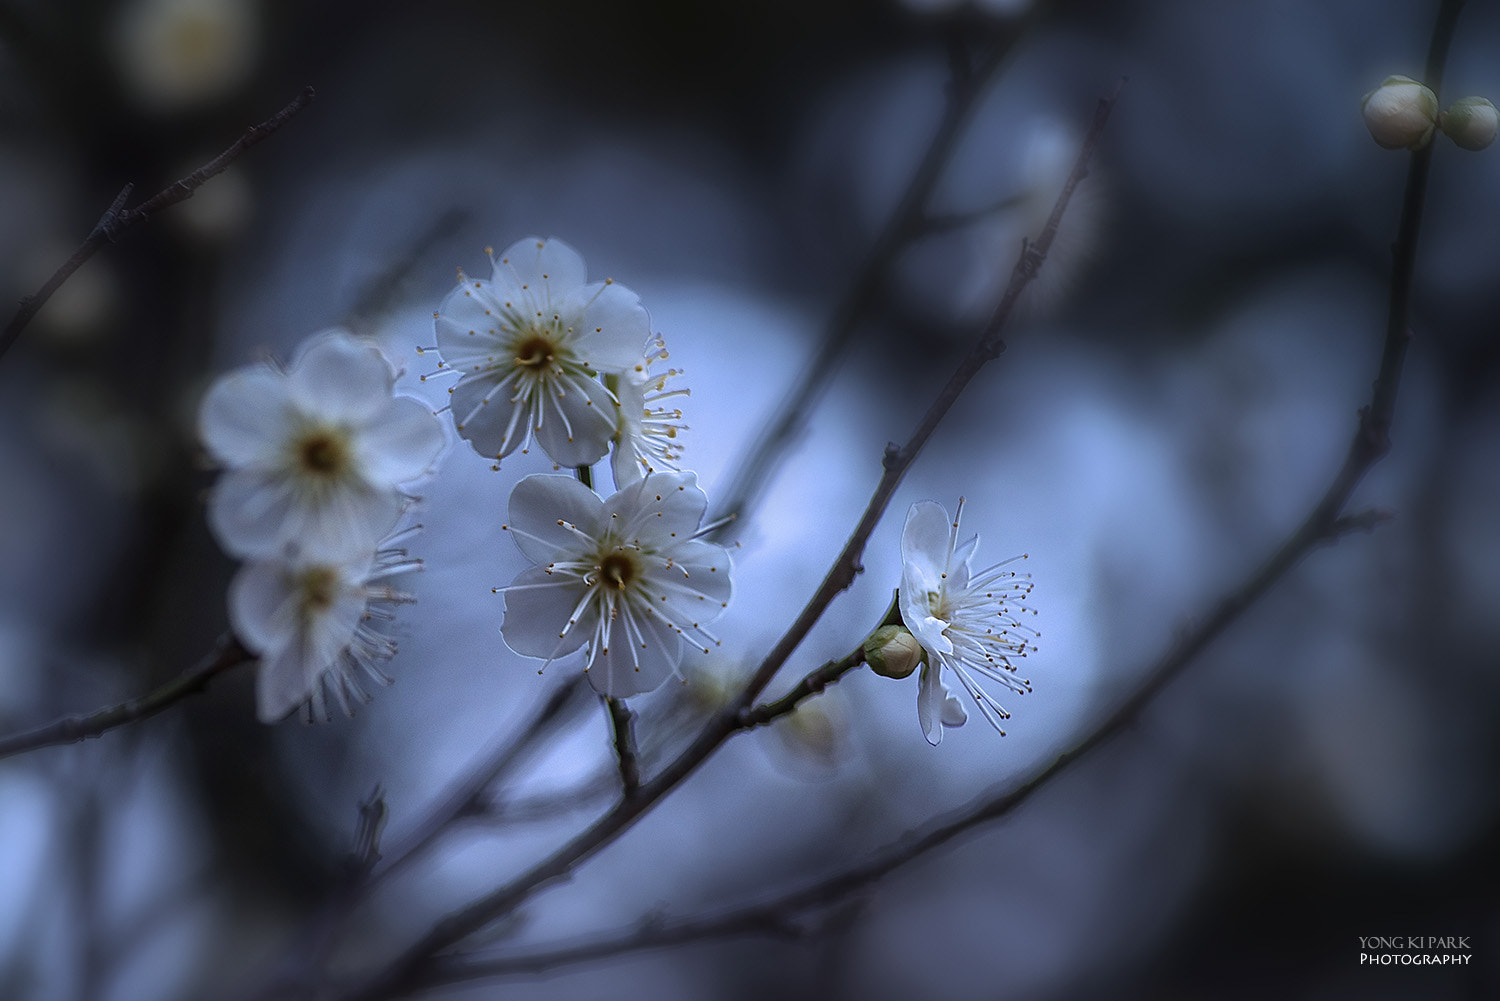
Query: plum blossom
[[628, 577], [527, 346], [317, 627], [967, 622], [646, 436], [315, 454]]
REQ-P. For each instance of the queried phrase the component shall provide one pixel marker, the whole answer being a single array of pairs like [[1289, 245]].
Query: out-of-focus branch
[[908, 221], [118, 218], [467, 796], [408, 968], [71, 729]]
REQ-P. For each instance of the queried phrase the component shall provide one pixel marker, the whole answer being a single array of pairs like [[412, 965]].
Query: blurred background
[[1180, 386]]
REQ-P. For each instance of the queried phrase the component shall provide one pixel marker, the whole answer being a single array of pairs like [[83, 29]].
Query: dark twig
[[907, 222], [117, 218], [372, 817], [71, 729], [409, 967], [622, 730]]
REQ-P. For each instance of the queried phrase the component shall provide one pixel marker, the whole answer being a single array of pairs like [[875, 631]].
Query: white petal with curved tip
[[401, 443], [930, 699], [659, 505], [538, 503], [339, 376], [614, 327], [545, 268], [578, 420], [243, 415], [537, 606], [636, 664], [485, 416]]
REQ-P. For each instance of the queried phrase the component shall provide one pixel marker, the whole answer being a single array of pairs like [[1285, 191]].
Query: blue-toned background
[[1179, 388]]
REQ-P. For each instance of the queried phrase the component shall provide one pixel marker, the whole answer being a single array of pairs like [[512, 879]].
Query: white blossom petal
[[237, 410], [401, 443], [341, 377], [577, 422], [637, 663], [536, 620], [488, 416], [540, 266], [539, 507], [613, 328], [931, 696]]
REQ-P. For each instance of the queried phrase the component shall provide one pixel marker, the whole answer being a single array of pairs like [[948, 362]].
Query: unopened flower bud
[[1401, 113], [892, 652], [1471, 123]]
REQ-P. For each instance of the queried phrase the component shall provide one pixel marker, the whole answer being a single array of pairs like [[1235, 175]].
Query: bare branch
[[72, 729], [907, 222], [117, 218]]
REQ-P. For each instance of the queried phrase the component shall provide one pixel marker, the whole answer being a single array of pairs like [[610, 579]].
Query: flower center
[[319, 587], [935, 605], [535, 352], [323, 452], [616, 571]]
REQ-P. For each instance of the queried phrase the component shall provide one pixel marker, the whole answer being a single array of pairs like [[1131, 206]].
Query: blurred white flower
[[315, 454], [175, 54], [527, 346], [967, 622], [646, 439], [627, 576], [316, 626]]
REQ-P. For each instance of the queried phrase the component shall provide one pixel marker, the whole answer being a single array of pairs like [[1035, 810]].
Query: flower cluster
[[966, 621], [316, 456]]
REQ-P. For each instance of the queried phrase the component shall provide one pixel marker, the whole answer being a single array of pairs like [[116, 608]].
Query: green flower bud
[[892, 652], [1471, 123], [1401, 113]]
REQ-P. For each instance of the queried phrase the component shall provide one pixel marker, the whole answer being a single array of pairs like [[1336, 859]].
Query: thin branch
[[466, 797], [72, 729], [408, 968], [622, 730], [373, 814], [907, 222], [118, 218], [813, 683]]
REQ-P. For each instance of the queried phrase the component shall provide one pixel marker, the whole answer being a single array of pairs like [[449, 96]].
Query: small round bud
[[1471, 123], [892, 652], [1401, 113]]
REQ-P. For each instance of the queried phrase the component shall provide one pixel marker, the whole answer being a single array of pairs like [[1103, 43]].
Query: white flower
[[527, 346], [627, 576], [646, 437], [315, 625], [314, 453], [967, 622], [1401, 113]]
